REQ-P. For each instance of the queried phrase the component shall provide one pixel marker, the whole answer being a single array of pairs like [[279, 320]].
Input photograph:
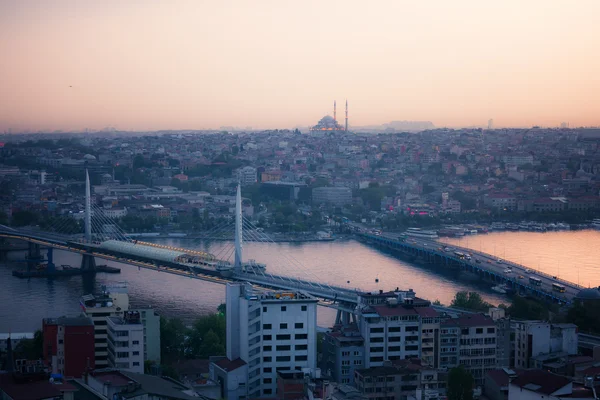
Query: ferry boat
[[499, 289], [419, 233]]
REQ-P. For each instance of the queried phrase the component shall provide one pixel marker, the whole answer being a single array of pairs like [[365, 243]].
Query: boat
[[596, 224], [499, 289], [419, 233], [512, 227], [498, 226]]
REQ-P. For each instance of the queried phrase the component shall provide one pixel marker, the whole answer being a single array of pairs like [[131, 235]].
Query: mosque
[[329, 123]]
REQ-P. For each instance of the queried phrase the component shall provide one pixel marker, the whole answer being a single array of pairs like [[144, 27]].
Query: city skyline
[[72, 65]]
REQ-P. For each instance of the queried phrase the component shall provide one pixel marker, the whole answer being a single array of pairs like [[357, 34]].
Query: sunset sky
[[195, 64]]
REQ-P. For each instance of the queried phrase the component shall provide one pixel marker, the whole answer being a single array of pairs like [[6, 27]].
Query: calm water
[[24, 303]]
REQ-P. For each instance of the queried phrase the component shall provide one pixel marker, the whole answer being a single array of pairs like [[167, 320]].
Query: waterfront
[[26, 302]]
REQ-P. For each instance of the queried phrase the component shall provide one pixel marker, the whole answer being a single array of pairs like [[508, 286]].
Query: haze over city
[[141, 65]]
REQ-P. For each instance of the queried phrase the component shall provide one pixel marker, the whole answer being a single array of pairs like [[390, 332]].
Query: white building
[[536, 338], [247, 175], [126, 342], [115, 213], [267, 332], [340, 196], [110, 302]]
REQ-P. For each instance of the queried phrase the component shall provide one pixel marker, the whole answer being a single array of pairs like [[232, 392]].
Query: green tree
[[470, 301], [460, 384], [585, 316], [222, 309], [172, 339], [523, 308], [31, 349], [211, 345], [24, 218]]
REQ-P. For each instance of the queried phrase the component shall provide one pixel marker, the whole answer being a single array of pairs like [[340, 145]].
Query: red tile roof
[[228, 365], [387, 311], [28, 390], [540, 381], [427, 312]]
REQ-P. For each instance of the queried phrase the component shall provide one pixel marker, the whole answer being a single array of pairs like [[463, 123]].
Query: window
[[60, 341], [298, 325], [376, 359], [264, 309], [268, 380], [282, 326], [136, 342], [282, 358], [283, 308], [345, 353], [479, 331], [300, 336], [345, 362], [286, 347], [136, 364], [301, 358], [267, 359], [136, 353], [357, 362], [266, 337], [303, 308], [390, 379], [411, 348], [267, 370], [345, 380], [376, 349], [376, 330], [268, 391], [357, 353], [122, 354], [267, 348], [394, 348], [491, 330], [345, 371], [283, 337], [395, 329], [376, 340], [266, 326], [301, 347], [394, 339]]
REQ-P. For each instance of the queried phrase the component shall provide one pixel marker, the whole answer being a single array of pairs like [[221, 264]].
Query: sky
[[196, 64]]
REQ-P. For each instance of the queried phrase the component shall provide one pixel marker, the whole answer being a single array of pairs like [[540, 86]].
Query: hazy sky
[[154, 64]]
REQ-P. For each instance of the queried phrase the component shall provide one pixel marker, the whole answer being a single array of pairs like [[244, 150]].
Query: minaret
[[334, 117], [346, 115]]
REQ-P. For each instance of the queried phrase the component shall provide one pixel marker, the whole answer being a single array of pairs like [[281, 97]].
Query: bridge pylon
[[88, 263], [238, 230]]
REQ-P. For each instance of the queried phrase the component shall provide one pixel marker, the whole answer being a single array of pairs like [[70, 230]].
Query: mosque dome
[[588, 294], [89, 157]]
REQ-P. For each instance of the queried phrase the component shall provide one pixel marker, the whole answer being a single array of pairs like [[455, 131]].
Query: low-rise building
[[343, 352], [69, 345], [537, 342]]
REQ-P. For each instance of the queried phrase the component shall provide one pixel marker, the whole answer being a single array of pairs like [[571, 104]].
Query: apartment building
[[332, 195], [536, 342], [391, 325], [476, 335], [343, 352], [110, 302], [69, 345], [267, 332], [126, 342]]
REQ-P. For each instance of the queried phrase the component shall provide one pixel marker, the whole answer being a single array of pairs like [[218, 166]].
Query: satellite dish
[[51, 380]]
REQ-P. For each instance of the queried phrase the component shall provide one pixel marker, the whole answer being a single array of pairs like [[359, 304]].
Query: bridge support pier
[[344, 318], [88, 263], [34, 255], [50, 255]]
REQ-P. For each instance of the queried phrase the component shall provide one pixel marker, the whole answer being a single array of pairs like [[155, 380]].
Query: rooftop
[[28, 390], [69, 321], [228, 365], [540, 381]]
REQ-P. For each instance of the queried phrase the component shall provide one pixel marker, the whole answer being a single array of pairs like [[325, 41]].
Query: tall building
[[475, 335], [267, 332], [126, 342], [537, 342], [69, 345], [343, 352], [110, 302], [392, 323], [340, 196], [247, 175]]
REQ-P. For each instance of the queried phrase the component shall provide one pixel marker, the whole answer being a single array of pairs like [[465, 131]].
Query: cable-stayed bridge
[[104, 239]]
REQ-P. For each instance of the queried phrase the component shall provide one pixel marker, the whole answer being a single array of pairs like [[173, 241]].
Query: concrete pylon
[[88, 208], [238, 229]]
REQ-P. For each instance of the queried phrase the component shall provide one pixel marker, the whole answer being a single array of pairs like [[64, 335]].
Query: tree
[[31, 349], [24, 218], [523, 308], [172, 339], [211, 345], [460, 384], [470, 301], [222, 309]]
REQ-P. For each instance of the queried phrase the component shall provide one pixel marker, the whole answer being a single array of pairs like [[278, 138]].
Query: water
[[23, 303]]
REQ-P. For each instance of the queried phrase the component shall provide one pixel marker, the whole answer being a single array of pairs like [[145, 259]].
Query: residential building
[[339, 196], [247, 175], [343, 352], [496, 383], [69, 345], [537, 342], [477, 344], [391, 325], [151, 323], [501, 201], [537, 384], [126, 342], [267, 332], [111, 301]]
